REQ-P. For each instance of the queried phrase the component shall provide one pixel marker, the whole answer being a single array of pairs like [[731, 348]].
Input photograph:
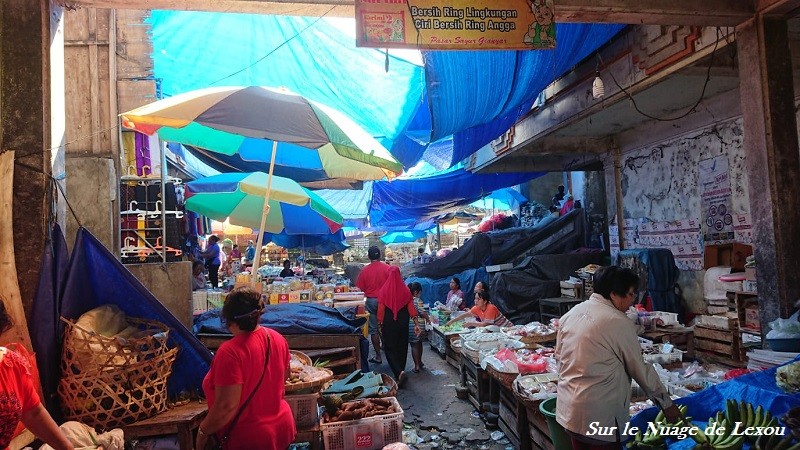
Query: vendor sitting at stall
[[455, 298], [287, 269], [484, 313]]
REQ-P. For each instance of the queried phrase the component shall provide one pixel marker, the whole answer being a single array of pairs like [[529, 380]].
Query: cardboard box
[[283, 298], [305, 296], [294, 297], [752, 319], [750, 273], [273, 298], [729, 255]]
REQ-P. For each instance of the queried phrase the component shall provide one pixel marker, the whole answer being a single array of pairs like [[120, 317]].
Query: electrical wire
[[691, 109]]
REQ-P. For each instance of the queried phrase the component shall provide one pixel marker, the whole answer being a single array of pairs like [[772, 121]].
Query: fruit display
[[730, 429], [654, 437]]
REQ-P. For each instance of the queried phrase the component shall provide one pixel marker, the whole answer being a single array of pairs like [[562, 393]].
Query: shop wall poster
[[715, 199]]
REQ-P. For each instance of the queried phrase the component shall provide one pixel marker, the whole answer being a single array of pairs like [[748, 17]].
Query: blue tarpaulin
[[477, 95], [289, 318], [407, 201], [96, 278], [758, 388], [308, 55], [46, 308]]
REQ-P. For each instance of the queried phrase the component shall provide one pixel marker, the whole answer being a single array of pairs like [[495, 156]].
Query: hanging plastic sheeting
[[307, 55], [407, 201], [478, 95], [434, 290], [46, 309], [97, 278]]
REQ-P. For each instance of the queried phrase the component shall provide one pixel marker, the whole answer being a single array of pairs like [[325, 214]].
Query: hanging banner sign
[[455, 24]]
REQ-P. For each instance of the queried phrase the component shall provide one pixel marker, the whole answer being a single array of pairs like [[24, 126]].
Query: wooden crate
[[513, 414], [727, 321], [477, 382], [537, 429], [720, 343]]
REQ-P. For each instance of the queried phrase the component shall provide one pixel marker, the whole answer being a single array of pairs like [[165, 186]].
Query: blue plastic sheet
[[310, 56], [289, 318], [97, 278], [327, 244], [758, 388], [407, 201], [46, 308], [478, 95]]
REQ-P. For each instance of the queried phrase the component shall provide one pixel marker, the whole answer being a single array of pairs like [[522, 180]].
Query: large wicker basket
[[109, 382]]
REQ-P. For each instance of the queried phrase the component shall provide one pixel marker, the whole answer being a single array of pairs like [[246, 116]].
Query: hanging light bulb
[[598, 88]]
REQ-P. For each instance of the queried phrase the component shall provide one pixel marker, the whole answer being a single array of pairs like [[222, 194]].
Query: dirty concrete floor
[[433, 412]]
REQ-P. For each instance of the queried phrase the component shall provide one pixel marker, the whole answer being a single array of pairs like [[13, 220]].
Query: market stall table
[[181, 420], [342, 351]]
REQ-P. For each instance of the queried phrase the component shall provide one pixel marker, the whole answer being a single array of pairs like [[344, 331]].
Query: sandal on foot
[[375, 361]]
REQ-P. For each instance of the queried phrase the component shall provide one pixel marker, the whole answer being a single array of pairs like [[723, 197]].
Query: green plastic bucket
[[560, 438]]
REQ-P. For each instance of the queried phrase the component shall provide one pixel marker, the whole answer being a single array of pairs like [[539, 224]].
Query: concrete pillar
[[26, 44], [772, 160]]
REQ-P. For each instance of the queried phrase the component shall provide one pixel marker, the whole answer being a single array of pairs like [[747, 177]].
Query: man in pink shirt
[[370, 281]]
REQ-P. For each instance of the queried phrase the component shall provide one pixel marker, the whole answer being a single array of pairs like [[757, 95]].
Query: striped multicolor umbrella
[[239, 198], [249, 120]]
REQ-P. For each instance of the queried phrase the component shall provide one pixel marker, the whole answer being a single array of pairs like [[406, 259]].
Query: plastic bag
[[785, 328]]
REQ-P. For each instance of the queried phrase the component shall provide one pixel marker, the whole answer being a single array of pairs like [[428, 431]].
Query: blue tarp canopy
[[405, 202], [400, 237], [310, 56], [477, 96], [326, 244]]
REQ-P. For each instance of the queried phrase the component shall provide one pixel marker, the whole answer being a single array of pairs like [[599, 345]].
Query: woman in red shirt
[[254, 362], [19, 401]]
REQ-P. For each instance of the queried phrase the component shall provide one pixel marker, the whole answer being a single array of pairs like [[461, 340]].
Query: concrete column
[[25, 46], [772, 160]]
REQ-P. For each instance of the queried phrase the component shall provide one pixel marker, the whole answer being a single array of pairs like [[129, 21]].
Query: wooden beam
[[776, 8], [655, 12]]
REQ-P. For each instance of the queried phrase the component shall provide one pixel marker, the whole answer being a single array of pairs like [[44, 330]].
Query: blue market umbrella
[[324, 244], [502, 199]]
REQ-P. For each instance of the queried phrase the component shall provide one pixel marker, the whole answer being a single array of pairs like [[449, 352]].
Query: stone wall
[[660, 184]]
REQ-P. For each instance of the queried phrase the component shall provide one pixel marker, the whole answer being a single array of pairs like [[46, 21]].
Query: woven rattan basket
[[111, 382], [308, 386]]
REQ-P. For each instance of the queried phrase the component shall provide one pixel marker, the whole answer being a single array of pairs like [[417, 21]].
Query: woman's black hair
[[458, 282], [414, 286], [484, 287], [213, 238], [5, 319], [613, 279], [243, 307], [485, 296]]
